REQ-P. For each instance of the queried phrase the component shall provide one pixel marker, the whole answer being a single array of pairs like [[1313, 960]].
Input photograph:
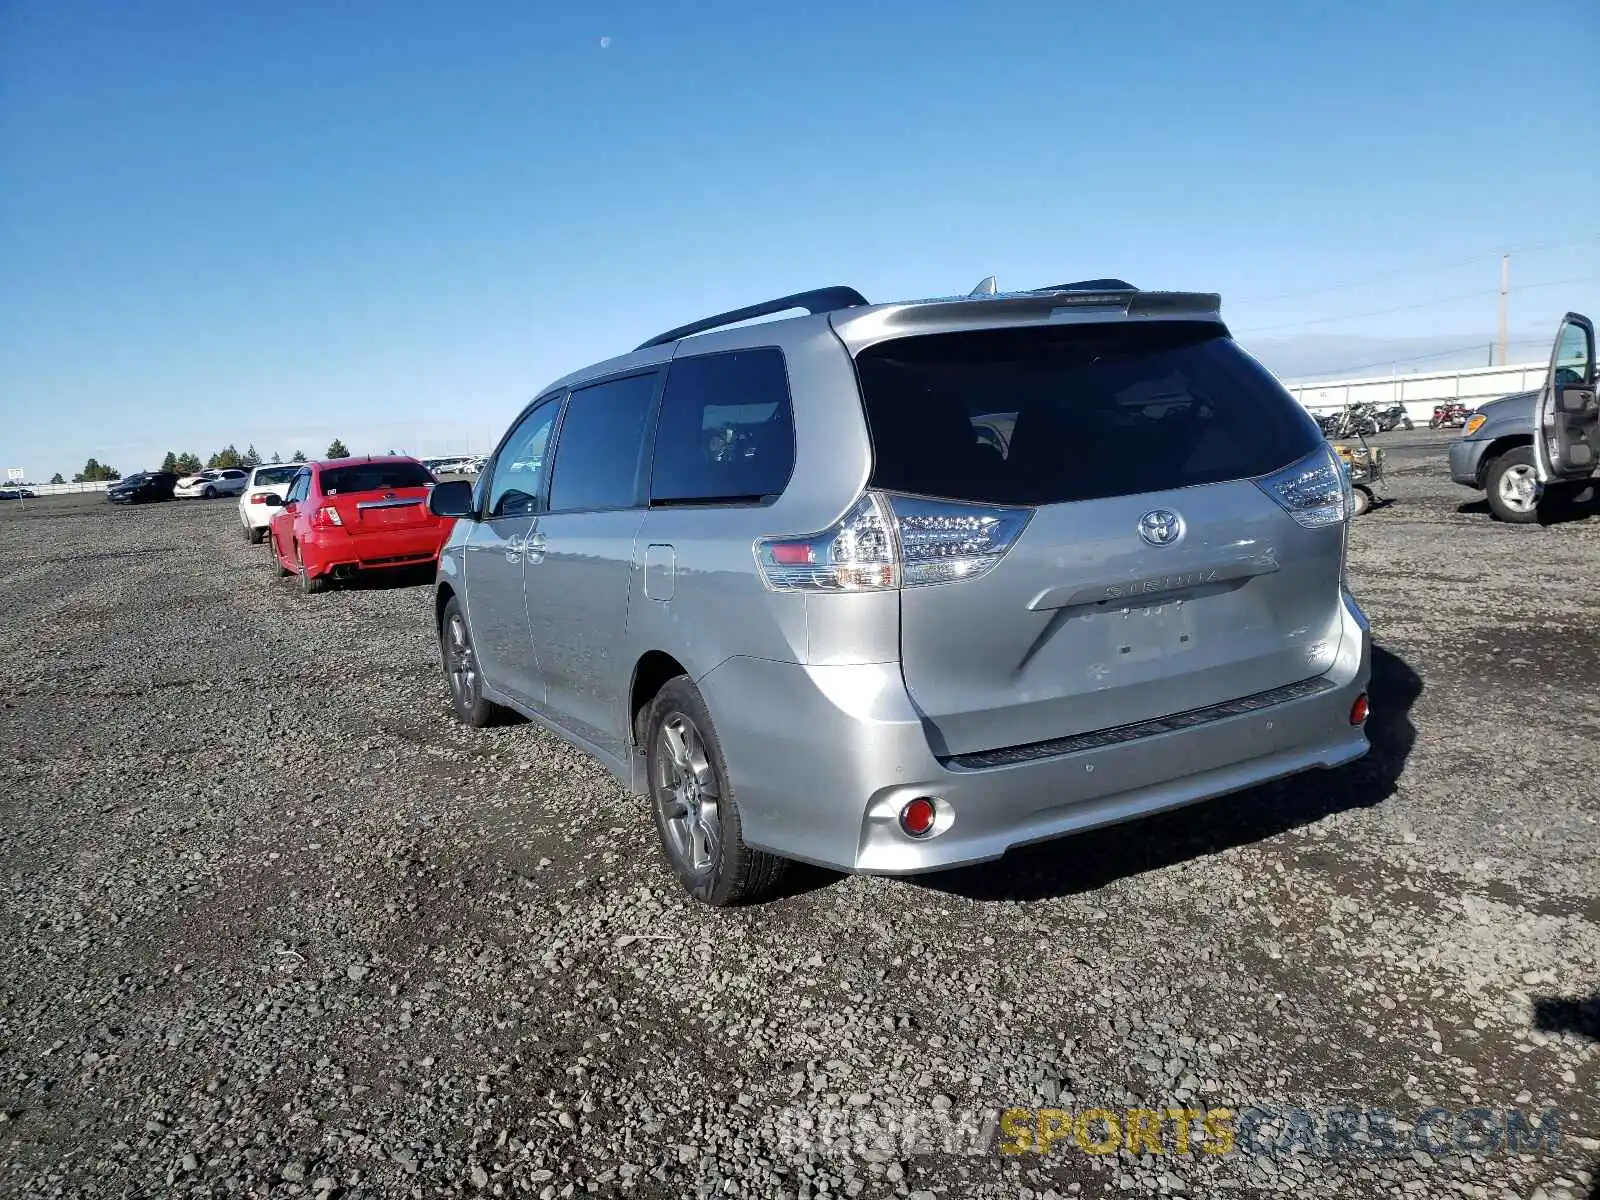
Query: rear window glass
[[373, 477], [1044, 416], [727, 430], [268, 475]]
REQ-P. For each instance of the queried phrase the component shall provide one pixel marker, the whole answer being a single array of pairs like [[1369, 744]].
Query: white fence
[[62, 489], [1419, 393]]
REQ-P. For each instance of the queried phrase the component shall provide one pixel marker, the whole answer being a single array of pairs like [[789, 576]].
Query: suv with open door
[[1499, 454], [896, 587]]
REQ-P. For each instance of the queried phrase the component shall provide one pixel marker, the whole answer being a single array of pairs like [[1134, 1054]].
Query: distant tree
[[252, 457], [298, 456], [56, 478], [337, 449], [227, 459], [96, 472], [170, 462], [394, 453], [276, 457], [188, 463]]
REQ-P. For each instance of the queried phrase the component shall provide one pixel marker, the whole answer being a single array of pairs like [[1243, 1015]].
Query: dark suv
[[146, 485]]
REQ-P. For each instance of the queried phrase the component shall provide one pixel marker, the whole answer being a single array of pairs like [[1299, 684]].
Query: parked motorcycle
[[1394, 417], [1448, 416], [1355, 420]]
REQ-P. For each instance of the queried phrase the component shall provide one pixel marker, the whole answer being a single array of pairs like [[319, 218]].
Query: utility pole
[[1505, 287]]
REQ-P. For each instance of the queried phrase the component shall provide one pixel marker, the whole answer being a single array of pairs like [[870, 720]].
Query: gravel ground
[[275, 925]]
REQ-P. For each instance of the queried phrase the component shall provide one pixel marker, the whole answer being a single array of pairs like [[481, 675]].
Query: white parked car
[[210, 483], [254, 514]]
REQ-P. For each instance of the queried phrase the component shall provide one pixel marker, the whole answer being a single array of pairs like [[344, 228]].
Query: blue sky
[[392, 223]]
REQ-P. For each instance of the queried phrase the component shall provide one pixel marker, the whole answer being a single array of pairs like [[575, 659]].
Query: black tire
[[723, 873], [1519, 459], [254, 534], [1363, 500], [456, 652], [1408, 424], [309, 585], [272, 543], [210, 493]]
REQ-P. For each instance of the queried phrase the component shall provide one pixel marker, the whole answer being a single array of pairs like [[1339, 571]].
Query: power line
[[1411, 272], [1433, 303]]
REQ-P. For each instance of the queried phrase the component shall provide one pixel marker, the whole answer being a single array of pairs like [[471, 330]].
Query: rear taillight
[[326, 517], [889, 541], [259, 498], [1314, 491]]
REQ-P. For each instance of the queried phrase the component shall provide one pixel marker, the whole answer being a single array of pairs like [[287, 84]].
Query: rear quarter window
[[1050, 415], [726, 433]]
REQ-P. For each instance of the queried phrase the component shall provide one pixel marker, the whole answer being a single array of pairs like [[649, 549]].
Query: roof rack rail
[[1088, 285], [820, 300]]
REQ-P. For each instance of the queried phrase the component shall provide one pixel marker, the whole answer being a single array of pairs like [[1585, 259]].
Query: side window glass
[[599, 453], [1572, 356], [727, 430], [298, 489], [519, 468]]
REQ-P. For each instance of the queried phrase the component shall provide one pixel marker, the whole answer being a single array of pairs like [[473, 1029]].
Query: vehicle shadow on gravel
[[1562, 512], [1568, 1014], [387, 581], [1571, 1014], [1088, 861]]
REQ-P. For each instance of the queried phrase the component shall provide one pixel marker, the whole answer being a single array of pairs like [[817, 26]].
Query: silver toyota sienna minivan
[[896, 587]]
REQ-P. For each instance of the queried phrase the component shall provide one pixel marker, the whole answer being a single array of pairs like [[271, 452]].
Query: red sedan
[[355, 514]]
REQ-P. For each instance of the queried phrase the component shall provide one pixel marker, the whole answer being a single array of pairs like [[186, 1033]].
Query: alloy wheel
[[1517, 488], [688, 793], [461, 663]]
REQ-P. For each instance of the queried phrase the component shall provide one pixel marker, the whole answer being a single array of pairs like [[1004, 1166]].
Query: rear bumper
[[372, 551], [823, 758], [1466, 461], [256, 516]]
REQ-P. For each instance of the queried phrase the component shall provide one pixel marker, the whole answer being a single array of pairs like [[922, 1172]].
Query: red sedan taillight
[[326, 517]]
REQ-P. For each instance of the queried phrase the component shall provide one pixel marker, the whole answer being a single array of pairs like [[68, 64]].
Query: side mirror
[[272, 500], [452, 499]]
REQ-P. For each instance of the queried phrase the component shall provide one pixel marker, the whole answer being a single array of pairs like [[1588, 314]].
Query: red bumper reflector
[[917, 817], [1358, 710]]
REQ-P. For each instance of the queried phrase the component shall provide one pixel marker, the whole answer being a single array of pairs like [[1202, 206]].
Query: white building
[[1419, 393]]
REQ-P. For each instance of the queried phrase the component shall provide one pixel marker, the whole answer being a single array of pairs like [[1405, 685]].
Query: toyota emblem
[[1161, 527]]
